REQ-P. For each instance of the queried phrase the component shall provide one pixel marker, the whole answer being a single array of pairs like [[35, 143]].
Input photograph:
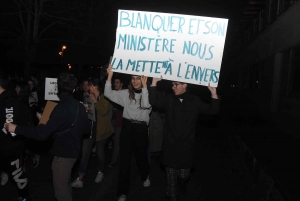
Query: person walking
[[66, 124]]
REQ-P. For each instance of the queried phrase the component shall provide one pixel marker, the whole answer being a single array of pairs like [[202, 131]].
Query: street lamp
[[61, 53], [69, 66]]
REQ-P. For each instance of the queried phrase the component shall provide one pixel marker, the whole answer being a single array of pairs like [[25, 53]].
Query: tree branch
[[21, 17], [46, 28]]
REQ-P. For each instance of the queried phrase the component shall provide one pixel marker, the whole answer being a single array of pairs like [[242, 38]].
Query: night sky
[[47, 53]]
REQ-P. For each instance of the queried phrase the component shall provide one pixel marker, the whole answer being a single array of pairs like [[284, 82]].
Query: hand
[[213, 91], [93, 98], [144, 81], [10, 127], [155, 80], [38, 115], [110, 73], [86, 107]]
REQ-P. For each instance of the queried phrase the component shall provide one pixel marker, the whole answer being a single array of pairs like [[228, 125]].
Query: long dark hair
[[131, 92]]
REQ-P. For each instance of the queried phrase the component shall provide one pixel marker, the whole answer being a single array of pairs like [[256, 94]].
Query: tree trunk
[[29, 57]]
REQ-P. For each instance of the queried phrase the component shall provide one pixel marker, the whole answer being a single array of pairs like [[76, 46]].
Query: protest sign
[[47, 112], [51, 89], [177, 47], [91, 111]]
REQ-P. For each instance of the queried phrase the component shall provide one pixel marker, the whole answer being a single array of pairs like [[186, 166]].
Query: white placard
[[177, 47], [51, 89]]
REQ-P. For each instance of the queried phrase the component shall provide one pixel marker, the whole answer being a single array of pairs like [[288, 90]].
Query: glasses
[[175, 84]]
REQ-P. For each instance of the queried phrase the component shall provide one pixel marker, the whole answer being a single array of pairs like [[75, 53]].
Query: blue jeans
[[100, 145], [116, 149], [86, 150]]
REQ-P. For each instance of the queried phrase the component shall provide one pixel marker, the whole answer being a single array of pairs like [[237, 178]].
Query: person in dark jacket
[[24, 95], [12, 148], [182, 110], [66, 124]]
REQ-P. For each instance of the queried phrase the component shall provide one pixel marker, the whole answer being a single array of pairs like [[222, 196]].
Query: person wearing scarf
[[134, 133]]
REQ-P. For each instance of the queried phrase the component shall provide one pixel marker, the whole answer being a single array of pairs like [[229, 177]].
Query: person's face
[[136, 82], [31, 85], [93, 89], [118, 85], [178, 88], [85, 86], [17, 90]]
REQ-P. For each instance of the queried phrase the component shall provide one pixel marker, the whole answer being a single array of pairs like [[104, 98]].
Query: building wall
[[281, 35]]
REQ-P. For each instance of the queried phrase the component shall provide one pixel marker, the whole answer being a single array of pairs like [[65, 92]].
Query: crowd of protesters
[[124, 116]]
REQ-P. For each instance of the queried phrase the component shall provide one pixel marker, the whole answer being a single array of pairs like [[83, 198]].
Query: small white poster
[[51, 89]]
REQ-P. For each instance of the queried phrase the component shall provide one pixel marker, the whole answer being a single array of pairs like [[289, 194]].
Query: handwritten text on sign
[[51, 89], [179, 47]]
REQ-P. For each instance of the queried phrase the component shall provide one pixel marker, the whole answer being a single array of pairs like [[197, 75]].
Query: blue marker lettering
[[207, 26], [187, 47], [143, 44], [187, 71], [161, 23], [120, 65], [122, 39], [169, 69], [214, 28], [198, 25], [156, 44], [151, 65], [210, 52], [132, 20], [124, 19], [204, 50], [179, 70], [149, 42], [158, 67], [132, 63], [181, 23], [172, 45], [165, 44], [190, 25], [139, 21], [113, 62], [138, 66], [147, 23]]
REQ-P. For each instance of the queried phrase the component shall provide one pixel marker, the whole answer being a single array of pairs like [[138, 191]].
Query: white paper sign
[[177, 47], [51, 89]]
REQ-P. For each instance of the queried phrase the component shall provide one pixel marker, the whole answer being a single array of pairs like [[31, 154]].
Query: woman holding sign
[[134, 134]]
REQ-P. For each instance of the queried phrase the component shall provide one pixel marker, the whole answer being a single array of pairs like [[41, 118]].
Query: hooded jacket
[[13, 110]]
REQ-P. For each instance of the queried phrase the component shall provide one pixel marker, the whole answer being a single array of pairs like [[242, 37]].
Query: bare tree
[[29, 22]]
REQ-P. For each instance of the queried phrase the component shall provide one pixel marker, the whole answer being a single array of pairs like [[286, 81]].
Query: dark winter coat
[[180, 126], [66, 145], [16, 112]]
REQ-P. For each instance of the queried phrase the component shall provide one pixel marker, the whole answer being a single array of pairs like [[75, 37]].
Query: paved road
[[217, 175]]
